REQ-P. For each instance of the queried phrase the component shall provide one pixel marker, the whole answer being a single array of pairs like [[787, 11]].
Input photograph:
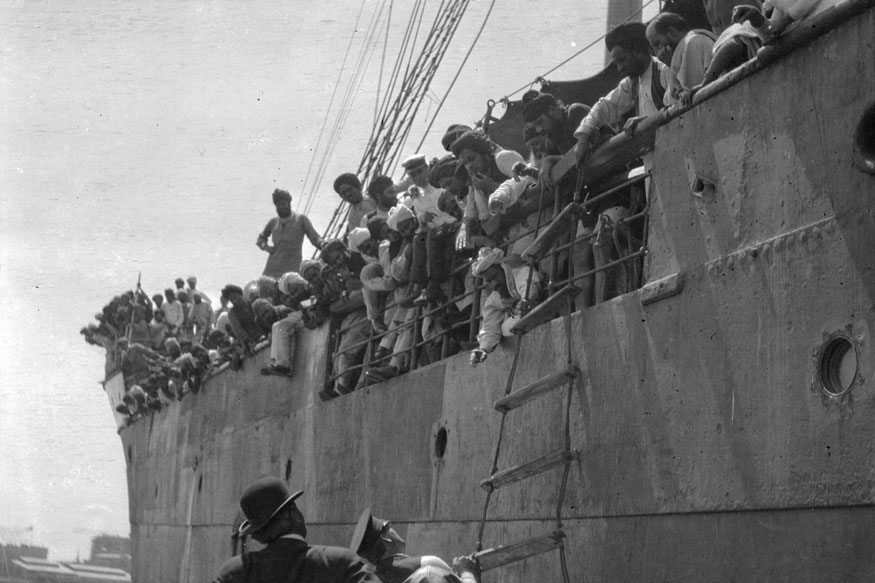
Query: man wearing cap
[[273, 519], [349, 188], [377, 542], [283, 237], [422, 197]]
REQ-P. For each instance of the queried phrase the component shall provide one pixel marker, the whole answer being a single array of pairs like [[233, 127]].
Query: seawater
[[143, 139]]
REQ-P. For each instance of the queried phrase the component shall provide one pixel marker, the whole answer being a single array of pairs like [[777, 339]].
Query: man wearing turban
[[283, 237]]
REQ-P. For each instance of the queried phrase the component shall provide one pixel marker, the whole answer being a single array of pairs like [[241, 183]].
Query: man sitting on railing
[[512, 290], [435, 227], [341, 276], [241, 319]]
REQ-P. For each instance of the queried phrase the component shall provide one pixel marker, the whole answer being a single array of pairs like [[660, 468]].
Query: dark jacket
[[292, 560]]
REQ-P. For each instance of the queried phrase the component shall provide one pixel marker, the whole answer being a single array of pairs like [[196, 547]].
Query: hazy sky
[[147, 138]]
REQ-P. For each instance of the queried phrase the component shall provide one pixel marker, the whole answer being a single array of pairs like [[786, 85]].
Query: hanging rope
[[578, 53]]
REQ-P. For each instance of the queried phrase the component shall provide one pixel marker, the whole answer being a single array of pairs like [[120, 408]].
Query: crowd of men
[[398, 289]]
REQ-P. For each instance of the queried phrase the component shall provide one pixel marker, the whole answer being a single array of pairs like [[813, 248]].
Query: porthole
[[837, 365], [440, 443], [864, 141]]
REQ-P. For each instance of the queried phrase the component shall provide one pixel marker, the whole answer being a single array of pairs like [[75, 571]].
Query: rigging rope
[[578, 53], [330, 102]]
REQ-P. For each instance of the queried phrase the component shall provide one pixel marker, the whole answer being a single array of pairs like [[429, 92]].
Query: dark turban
[[231, 289], [452, 134], [375, 227], [443, 168], [378, 185], [474, 141], [631, 36], [347, 178], [281, 195], [536, 104], [331, 245]]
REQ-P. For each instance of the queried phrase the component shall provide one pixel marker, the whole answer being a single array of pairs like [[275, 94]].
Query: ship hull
[[709, 449]]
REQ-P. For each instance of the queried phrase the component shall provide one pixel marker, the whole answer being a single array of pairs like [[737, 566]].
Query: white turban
[[289, 279], [397, 214], [486, 258], [358, 236]]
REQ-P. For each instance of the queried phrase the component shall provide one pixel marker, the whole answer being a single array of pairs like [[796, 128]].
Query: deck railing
[[561, 263]]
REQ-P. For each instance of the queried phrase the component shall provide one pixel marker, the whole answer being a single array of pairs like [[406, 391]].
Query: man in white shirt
[[645, 89]]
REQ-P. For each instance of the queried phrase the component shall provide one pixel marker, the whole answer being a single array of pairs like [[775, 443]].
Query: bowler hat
[[263, 500], [367, 532]]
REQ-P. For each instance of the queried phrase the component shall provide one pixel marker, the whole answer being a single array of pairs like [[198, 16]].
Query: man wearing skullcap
[[360, 242], [349, 188], [283, 236], [274, 520], [377, 542], [508, 287], [648, 86]]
